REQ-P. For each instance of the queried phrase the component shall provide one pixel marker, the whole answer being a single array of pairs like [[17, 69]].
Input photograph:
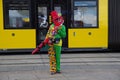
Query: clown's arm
[[62, 31]]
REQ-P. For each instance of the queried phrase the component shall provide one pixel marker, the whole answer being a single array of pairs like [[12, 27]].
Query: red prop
[[40, 46]]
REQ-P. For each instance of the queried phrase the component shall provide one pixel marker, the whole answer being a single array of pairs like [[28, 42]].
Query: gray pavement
[[96, 66]]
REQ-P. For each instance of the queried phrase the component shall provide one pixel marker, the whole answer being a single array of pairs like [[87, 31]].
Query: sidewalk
[[99, 66]]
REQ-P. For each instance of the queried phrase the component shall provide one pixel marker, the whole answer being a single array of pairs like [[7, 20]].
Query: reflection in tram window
[[42, 17], [43, 21], [17, 14], [85, 14]]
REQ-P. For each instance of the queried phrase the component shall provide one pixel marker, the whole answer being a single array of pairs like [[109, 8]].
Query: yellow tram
[[86, 22]]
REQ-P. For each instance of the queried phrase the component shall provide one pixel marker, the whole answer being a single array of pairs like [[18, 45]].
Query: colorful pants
[[57, 56], [54, 56]]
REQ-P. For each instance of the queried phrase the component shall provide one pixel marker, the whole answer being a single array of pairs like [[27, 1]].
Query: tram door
[[44, 7]]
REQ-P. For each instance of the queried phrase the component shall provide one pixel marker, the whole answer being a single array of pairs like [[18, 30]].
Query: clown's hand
[[54, 32]]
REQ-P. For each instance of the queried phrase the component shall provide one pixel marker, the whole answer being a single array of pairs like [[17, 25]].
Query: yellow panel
[[103, 20], [1, 16], [22, 39], [1, 2], [80, 38]]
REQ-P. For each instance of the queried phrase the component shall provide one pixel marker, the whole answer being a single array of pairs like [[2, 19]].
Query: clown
[[56, 32], [54, 36]]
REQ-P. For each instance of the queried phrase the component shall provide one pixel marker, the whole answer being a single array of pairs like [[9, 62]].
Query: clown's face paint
[[58, 21]]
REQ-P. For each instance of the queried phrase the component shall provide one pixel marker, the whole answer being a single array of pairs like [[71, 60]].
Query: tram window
[[58, 9], [42, 33], [84, 13], [16, 14]]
